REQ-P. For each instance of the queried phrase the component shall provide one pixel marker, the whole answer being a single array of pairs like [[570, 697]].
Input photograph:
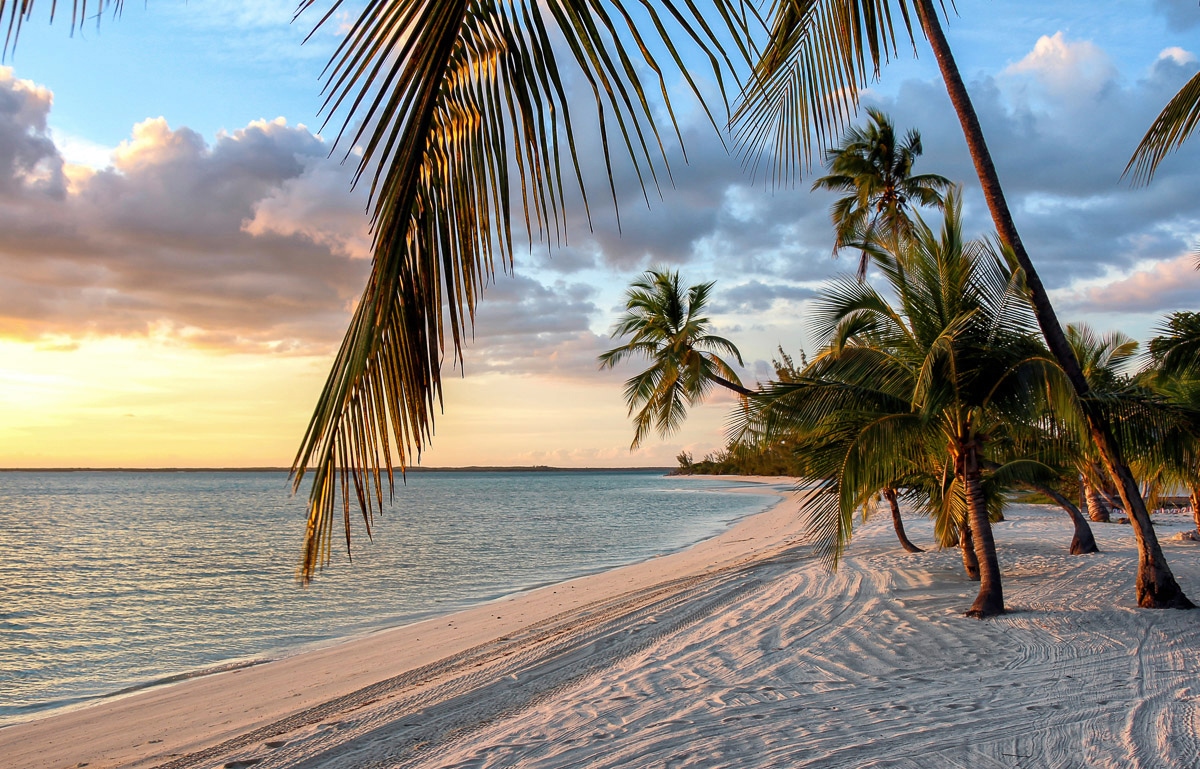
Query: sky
[[180, 246]]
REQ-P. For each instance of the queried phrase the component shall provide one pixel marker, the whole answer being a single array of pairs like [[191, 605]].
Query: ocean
[[116, 580]]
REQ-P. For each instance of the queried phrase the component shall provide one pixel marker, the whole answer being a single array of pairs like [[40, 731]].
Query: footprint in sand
[[242, 764], [273, 744]]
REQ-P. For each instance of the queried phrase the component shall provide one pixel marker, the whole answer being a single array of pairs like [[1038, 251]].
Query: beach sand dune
[[741, 652]]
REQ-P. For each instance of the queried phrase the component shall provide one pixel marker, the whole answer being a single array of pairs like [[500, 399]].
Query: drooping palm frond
[[19, 12], [459, 103], [1169, 130], [820, 55]]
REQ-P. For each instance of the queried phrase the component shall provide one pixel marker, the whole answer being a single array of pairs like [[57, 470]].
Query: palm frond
[[805, 88], [458, 103], [19, 12], [1170, 129]]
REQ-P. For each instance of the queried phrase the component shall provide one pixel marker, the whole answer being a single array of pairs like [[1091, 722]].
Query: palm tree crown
[[666, 325], [874, 171]]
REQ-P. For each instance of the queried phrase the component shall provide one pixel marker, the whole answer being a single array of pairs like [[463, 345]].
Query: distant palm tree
[[1101, 358], [874, 171], [667, 327], [820, 55], [950, 374], [1176, 350]]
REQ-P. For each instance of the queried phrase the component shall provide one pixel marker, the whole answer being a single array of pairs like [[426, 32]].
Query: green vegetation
[[937, 388]]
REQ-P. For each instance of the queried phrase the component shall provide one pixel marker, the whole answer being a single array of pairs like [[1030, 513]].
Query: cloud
[[250, 243], [1061, 161], [30, 164], [1180, 14], [526, 327], [158, 243], [1066, 69], [1171, 283]]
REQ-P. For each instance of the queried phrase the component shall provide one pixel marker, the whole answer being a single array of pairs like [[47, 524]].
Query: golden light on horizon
[[156, 402]]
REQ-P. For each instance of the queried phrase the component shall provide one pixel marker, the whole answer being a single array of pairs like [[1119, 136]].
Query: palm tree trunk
[[1098, 509], [990, 600], [898, 523], [1196, 506], [737, 388], [966, 544], [1156, 586], [1083, 541]]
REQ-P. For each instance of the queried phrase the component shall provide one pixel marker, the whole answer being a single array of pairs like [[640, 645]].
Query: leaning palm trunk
[[898, 523], [1196, 506], [1156, 586], [1098, 509], [1083, 541], [990, 600]]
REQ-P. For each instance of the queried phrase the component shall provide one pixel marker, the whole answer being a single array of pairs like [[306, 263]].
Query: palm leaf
[[446, 93], [1170, 129]]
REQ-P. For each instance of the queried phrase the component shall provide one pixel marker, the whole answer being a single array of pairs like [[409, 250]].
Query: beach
[[742, 650]]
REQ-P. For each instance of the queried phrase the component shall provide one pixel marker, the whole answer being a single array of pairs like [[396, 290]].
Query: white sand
[[739, 652]]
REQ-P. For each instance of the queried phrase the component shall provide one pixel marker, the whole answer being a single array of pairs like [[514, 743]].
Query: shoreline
[[743, 650], [370, 623], [71, 726]]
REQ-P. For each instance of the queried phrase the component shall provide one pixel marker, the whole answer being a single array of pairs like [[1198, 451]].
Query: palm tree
[[666, 326], [1101, 358], [874, 172], [950, 374], [806, 84]]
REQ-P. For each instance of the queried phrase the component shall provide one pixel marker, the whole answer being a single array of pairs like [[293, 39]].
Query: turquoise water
[[111, 580]]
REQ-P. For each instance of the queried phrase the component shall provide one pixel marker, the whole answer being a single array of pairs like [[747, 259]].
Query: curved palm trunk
[[1196, 506], [1083, 541], [1097, 506], [898, 523], [966, 544], [1156, 585], [990, 600]]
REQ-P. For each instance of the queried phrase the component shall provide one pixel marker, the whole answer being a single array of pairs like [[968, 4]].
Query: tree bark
[[1156, 586], [737, 388], [966, 544], [990, 600], [1083, 542], [1098, 509], [898, 523], [1196, 506]]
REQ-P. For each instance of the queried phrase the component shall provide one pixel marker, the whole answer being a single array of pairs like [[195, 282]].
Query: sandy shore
[[739, 652]]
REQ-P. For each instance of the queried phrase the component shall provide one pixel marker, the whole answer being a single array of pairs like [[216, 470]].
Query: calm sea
[[113, 580]]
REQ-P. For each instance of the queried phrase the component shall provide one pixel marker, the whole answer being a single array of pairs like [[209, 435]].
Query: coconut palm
[[1101, 358], [874, 172], [666, 326], [820, 55], [951, 373]]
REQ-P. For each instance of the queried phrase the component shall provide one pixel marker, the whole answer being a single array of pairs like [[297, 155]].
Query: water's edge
[[730, 486]]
